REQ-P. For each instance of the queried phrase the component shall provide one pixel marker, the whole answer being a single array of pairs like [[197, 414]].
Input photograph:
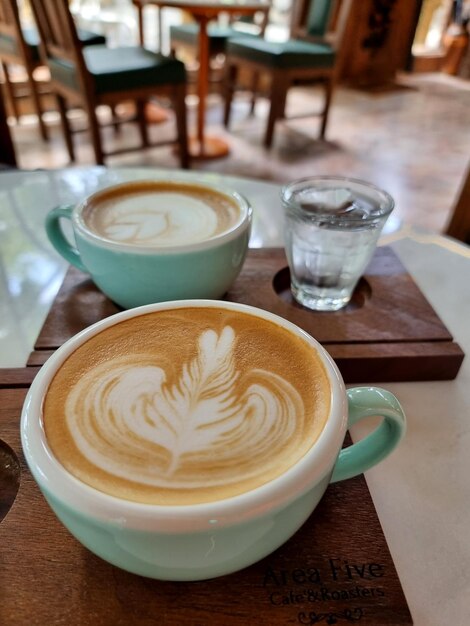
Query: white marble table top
[[421, 492]]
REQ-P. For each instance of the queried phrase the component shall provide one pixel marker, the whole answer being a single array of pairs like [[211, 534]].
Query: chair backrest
[[319, 19], [57, 30], [59, 41], [9, 18], [10, 28], [255, 22]]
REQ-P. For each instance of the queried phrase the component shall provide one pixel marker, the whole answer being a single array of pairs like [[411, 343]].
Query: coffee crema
[[160, 214], [186, 406]]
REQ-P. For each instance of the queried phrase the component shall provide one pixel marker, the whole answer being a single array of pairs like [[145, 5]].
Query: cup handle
[[359, 457], [57, 237]]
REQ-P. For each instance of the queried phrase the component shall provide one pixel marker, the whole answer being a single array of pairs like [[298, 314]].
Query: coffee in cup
[[160, 214], [150, 241], [187, 440], [186, 406]]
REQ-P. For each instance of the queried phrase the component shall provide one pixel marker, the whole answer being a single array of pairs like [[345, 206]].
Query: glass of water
[[332, 225]]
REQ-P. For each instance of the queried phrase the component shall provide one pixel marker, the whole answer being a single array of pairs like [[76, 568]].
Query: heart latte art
[[186, 406], [160, 214]]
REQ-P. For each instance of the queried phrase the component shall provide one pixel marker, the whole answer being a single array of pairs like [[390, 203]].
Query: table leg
[[204, 146]]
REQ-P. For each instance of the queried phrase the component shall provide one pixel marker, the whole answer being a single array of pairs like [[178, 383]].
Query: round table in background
[[205, 146]]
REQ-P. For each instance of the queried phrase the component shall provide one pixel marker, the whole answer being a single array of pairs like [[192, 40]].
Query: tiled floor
[[414, 141]]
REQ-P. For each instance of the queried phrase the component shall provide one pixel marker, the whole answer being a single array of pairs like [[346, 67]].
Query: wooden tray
[[337, 568], [389, 332]]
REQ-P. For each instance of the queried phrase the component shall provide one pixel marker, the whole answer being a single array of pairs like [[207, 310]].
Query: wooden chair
[[20, 46], [309, 56], [459, 223], [185, 36], [7, 150], [98, 75]]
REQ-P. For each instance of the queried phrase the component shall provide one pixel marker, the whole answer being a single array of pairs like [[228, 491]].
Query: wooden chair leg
[[231, 74], [114, 118], [254, 92], [142, 122], [95, 134], [64, 121], [279, 88], [181, 124], [33, 90], [159, 29], [329, 87], [9, 92]]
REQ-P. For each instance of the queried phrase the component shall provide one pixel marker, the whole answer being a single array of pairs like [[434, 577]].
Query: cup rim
[[386, 199], [240, 225], [59, 484]]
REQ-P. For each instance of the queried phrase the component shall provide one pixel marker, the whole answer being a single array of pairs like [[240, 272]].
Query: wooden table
[[205, 146], [421, 492], [48, 578]]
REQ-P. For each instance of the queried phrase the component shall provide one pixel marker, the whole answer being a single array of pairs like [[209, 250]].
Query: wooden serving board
[[336, 569], [389, 332]]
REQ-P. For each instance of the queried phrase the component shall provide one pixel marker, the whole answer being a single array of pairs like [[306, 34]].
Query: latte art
[[161, 214], [185, 406], [127, 420]]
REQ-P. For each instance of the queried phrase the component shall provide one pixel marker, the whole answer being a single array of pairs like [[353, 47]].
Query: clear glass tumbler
[[332, 225]]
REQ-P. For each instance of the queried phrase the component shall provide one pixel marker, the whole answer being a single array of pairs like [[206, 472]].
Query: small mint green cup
[[133, 276], [195, 542]]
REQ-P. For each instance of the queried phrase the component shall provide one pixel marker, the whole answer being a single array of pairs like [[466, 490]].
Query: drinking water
[[331, 235]]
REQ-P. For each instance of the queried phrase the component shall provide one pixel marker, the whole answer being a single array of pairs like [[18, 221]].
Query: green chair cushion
[[218, 35], [290, 54], [89, 38], [121, 69], [189, 33], [9, 45]]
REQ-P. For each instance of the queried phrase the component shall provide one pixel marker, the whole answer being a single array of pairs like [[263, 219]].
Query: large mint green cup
[[134, 276], [194, 542]]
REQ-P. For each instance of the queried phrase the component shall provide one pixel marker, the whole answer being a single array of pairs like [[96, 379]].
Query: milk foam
[[128, 421], [162, 216], [186, 405]]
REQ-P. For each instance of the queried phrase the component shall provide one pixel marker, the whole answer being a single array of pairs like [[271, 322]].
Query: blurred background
[[399, 115]]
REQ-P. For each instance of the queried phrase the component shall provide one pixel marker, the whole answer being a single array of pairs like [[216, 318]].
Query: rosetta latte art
[[213, 426]]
